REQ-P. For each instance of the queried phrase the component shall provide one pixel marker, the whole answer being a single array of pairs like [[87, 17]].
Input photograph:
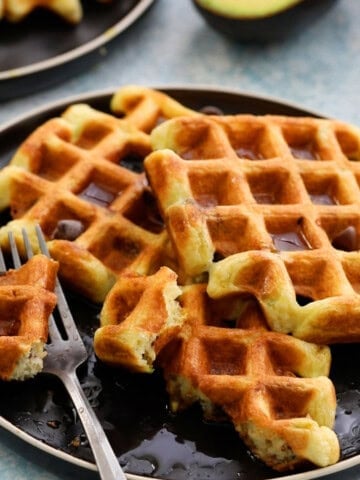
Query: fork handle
[[106, 461]]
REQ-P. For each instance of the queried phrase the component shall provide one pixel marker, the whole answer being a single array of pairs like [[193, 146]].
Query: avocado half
[[261, 20]]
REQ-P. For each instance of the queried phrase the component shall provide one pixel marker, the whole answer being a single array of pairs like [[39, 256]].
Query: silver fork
[[63, 358]]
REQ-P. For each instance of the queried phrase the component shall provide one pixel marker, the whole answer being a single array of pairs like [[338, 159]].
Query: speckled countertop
[[318, 69]]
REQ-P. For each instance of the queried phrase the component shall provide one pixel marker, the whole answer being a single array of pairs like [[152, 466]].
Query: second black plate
[[44, 49]]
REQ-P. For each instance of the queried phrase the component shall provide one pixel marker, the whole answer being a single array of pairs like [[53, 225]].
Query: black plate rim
[[83, 49], [203, 88], [98, 95]]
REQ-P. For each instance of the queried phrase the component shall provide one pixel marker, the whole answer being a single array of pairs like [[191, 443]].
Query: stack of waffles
[[227, 255]]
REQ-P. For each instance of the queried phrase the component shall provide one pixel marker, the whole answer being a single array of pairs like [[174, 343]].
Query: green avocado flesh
[[247, 9]]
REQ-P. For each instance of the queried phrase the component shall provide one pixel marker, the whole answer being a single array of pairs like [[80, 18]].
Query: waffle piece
[[273, 387], [139, 316], [26, 301], [146, 108], [283, 193], [98, 217], [17, 10]]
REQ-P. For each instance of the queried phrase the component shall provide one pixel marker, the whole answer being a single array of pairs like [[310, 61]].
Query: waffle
[[269, 207], [26, 301], [221, 354], [127, 337], [273, 387], [17, 10], [146, 108], [98, 217]]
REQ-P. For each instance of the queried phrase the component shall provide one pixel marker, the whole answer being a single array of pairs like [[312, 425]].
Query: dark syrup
[[289, 241], [94, 193], [322, 199], [248, 153], [264, 198], [304, 152], [346, 240], [346, 377]]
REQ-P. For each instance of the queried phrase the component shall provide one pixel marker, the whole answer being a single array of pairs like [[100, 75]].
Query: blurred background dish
[[43, 49], [261, 20]]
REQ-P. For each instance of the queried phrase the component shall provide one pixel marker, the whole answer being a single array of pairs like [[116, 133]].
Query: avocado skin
[[268, 29]]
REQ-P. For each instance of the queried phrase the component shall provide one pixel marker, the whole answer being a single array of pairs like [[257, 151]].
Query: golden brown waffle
[[99, 217], [139, 316], [26, 301], [145, 108], [17, 10], [272, 386], [76, 168], [282, 194]]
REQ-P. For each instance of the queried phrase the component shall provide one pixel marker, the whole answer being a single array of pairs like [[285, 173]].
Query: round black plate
[[133, 409], [44, 49]]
